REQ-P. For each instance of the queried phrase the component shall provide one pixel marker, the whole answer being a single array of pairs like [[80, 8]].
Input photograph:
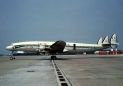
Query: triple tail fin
[[113, 42]]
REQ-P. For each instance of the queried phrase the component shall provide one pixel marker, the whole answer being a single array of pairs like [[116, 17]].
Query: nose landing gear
[[11, 56]]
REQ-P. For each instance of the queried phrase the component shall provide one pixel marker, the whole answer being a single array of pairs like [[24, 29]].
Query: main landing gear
[[11, 57], [53, 57]]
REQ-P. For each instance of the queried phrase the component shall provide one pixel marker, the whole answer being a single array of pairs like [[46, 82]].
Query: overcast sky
[[68, 20]]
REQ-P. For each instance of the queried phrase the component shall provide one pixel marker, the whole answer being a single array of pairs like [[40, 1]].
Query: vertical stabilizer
[[106, 40], [100, 41], [114, 41]]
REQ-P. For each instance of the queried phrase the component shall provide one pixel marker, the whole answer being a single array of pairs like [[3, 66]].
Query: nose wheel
[[11, 56]]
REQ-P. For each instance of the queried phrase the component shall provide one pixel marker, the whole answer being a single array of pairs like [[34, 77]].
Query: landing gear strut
[[11, 56]]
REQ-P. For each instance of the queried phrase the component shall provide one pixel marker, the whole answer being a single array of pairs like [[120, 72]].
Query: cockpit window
[[18, 46]]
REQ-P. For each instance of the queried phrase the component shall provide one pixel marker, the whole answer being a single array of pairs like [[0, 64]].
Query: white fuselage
[[34, 46], [41, 46]]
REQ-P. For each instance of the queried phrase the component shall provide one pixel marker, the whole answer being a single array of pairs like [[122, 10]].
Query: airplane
[[60, 46]]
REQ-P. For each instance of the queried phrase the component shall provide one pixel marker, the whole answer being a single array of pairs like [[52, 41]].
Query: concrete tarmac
[[80, 70], [26, 71]]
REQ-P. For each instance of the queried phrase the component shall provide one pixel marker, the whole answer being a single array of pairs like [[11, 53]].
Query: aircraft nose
[[9, 47]]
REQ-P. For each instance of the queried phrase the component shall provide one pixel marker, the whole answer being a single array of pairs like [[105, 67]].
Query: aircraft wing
[[57, 47]]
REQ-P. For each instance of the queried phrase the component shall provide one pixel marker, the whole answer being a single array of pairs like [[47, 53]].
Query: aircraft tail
[[114, 41], [106, 41], [100, 41], [103, 42]]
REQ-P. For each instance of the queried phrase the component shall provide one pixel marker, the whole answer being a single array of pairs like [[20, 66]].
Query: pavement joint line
[[61, 77]]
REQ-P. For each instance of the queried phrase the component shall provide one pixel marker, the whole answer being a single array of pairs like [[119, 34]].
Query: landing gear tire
[[12, 58], [53, 57]]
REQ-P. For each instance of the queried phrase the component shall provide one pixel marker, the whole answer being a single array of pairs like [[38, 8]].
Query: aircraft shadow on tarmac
[[63, 58], [44, 58]]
